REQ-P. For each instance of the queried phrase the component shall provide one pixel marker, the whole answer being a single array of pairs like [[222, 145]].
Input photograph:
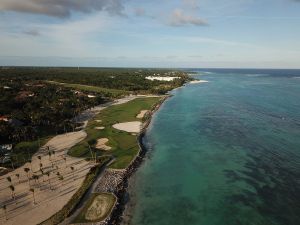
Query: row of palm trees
[[36, 178]]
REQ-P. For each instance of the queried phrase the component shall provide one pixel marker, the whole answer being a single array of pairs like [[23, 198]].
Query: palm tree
[[91, 151], [32, 191], [36, 178], [30, 161], [18, 176], [5, 212], [27, 171], [61, 177], [42, 172], [49, 153], [53, 153], [72, 168], [48, 174], [12, 164], [65, 161], [12, 188], [8, 179], [40, 158]]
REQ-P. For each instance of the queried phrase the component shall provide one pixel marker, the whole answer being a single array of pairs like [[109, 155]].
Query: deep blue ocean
[[225, 152]]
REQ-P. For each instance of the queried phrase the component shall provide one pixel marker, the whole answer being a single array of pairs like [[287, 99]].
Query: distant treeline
[[122, 79]]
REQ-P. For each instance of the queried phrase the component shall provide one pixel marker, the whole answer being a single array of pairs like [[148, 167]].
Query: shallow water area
[[225, 152]]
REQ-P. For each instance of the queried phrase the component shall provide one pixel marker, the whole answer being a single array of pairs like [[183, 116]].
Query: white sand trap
[[101, 144], [131, 127], [98, 121], [66, 141], [198, 81], [141, 114], [99, 128]]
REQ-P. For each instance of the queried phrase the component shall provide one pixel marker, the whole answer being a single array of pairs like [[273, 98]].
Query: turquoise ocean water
[[226, 152]]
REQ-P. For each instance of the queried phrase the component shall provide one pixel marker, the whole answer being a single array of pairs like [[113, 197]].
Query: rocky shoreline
[[119, 184]]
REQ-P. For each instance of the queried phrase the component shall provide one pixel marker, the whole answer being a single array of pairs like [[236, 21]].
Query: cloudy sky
[[156, 33]]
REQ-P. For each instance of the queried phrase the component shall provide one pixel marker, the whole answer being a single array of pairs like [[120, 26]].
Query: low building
[[6, 147], [4, 118]]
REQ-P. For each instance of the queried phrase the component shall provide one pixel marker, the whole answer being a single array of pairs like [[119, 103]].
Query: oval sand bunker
[[131, 127]]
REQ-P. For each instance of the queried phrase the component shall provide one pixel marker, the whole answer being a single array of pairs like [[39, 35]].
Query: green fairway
[[124, 145], [105, 91]]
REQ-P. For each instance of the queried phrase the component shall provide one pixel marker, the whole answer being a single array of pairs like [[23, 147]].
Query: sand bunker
[[98, 121], [131, 127], [141, 114], [101, 144], [99, 128], [198, 81], [66, 141], [99, 209]]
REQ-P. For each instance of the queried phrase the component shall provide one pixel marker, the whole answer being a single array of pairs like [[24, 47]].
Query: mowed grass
[[124, 145], [110, 201], [114, 92]]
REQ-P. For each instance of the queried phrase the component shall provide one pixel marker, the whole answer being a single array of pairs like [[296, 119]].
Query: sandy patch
[[22, 210], [142, 114], [198, 81], [98, 121], [66, 141], [124, 100], [99, 128], [131, 127], [101, 144], [99, 209]]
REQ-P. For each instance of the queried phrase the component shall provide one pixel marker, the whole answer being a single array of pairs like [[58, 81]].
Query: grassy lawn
[[113, 92], [99, 213], [124, 145]]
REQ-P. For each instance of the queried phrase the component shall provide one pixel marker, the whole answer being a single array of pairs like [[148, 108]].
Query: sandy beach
[[198, 81]]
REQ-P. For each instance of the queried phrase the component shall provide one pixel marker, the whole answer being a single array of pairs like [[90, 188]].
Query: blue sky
[[156, 33]]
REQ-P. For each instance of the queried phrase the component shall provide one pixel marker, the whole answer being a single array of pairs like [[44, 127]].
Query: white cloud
[[178, 18], [70, 38]]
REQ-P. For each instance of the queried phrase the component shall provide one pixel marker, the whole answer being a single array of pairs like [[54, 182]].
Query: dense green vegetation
[[37, 103], [33, 111], [73, 202], [109, 197], [124, 145], [99, 90], [111, 78]]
